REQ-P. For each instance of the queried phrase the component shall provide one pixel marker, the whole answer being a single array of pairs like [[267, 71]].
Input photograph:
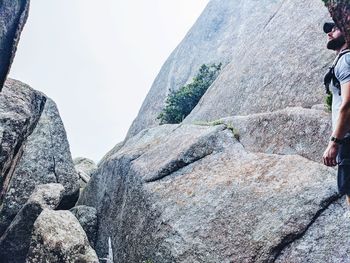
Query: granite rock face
[[290, 131], [37, 151], [59, 238], [273, 63], [283, 66], [190, 193], [325, 241], [14, 243], [20, 110], [13, 16]]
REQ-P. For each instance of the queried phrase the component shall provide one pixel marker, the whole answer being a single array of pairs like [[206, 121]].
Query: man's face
[[335, 39]]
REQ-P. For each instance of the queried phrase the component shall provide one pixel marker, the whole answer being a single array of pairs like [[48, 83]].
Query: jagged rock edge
[[18, 149], [179, 164]]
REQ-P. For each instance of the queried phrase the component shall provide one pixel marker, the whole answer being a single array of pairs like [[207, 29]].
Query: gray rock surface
[[327, 240], [281, 65], [42, 156], [85, 164], [14, 243], [13, 16], [85, 168], [87, 217], [20, 110], [289, 131], [273, 62], [59, 238], [189, 193]]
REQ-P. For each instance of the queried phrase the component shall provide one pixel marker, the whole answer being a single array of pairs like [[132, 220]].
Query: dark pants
[[344, 168]]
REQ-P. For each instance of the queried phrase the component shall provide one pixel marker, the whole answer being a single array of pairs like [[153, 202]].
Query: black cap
[[328, 27]]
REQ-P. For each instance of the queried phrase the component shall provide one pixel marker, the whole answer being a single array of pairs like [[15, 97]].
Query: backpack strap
[[330, 76]]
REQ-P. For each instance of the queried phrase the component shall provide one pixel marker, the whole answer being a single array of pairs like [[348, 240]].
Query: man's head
[[336, 39]]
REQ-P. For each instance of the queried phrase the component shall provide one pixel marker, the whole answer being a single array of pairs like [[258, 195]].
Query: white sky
[[98, 59]]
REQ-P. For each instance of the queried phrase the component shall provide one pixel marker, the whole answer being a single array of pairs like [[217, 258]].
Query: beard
[[336, 43]]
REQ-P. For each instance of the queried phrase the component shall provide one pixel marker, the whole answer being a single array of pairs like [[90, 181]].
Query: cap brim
[[327, 27]]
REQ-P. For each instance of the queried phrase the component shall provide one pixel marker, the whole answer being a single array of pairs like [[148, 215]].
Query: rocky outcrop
[[13, 16], [58, 238], [277, 56], [14, 243], [36, 150], [189, 193], [289, 131], [85, 168], [87, 217]]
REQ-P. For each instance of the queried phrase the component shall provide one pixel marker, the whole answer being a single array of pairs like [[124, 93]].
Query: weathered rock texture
[[59, 238], [14, 243], [189, 193], [13, 16], [273, 63], [36, 150], [289, 131], [87, 217]]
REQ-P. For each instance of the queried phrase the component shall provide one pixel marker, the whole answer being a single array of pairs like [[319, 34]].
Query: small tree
[[180, 103]]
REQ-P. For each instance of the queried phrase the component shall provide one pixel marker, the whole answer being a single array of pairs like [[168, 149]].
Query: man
[[338, 149]]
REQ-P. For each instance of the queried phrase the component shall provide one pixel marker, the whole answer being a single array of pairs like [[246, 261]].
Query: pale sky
[[97, 60]]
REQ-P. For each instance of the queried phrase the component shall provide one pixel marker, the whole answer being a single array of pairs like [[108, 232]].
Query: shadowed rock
[[15, 241], [13, 16], [87, 217]]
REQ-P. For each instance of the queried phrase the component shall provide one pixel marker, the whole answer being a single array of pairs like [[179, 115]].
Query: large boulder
[[14, 243], [59, 238], [38, 150], [276, 51], [190, 193], [13, 16]]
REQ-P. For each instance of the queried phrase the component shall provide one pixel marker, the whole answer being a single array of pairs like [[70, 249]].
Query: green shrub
[[180, 103]]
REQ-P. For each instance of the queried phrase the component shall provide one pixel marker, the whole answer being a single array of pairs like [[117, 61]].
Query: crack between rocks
[[288, 239], [18, 151], [179, 164], [53, 156]]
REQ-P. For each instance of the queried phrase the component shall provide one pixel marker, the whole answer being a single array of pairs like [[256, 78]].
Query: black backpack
[[330, 76]]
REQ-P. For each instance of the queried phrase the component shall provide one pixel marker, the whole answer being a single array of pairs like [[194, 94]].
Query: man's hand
[[330, 154]]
